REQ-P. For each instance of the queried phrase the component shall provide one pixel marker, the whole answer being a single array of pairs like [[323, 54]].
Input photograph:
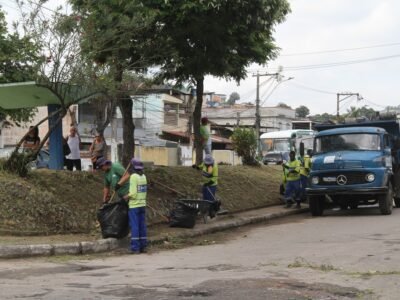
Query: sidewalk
[[157, 235]]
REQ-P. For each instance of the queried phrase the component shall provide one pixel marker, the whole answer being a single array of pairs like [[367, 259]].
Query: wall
[[160, 156], [13, 135], [226, 157]]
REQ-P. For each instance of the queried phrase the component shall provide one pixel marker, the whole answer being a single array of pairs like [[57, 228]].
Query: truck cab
[[354, 165]]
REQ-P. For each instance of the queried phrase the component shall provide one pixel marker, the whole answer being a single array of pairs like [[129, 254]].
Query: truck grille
[[351, 178]]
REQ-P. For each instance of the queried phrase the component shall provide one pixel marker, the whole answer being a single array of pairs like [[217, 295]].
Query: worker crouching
[[293, 187], [137, 207]]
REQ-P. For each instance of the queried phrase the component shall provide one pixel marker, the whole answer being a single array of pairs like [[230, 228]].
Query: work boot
[[298, 205], [143, 250]]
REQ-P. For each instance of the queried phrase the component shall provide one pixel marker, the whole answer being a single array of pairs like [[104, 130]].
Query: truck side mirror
[[302, 149]]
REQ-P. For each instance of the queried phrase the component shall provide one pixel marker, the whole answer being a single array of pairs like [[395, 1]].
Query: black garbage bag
[[113, 219], [183, 215]]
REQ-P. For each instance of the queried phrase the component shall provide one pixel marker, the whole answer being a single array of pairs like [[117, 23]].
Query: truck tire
[[397, 202], [353, 205], [316, 204], [386, 201]]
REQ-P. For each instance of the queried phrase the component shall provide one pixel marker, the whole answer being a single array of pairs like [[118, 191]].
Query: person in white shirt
[[74, 158]]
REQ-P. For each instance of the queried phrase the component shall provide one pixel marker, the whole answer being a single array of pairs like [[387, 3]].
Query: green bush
[[245, 145]]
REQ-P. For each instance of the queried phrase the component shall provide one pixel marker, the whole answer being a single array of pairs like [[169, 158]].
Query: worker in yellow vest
[[209, 170], [292, 191], [304, 173], [137, 207]]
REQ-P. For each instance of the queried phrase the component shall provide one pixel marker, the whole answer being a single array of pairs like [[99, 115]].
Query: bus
[[286, 140]]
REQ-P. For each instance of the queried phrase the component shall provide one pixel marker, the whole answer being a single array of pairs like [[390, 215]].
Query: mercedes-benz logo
[[341, 180]]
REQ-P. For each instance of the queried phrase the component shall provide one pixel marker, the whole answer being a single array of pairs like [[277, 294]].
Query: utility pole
[[346, 96], [258, 116]]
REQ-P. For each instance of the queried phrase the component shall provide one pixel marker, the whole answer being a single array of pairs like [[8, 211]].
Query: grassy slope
[[64, 202]]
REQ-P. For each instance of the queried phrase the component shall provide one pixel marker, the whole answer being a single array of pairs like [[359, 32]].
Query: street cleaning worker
[[304, 173], [113, 173], [137, 207], [210, 182], [292, 190], [205, 136]]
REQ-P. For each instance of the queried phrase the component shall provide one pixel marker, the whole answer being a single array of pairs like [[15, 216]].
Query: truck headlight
[[315, 180], [370, 177]]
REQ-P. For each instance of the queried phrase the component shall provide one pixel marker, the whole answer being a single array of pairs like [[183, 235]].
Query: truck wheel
[[386, 201], [397, 202], [354, 206], [316, 205]]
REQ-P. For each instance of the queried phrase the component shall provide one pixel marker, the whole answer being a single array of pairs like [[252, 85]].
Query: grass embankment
[[48, 202]]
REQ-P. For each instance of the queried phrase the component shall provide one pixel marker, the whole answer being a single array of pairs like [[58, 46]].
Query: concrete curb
[[104, 245]]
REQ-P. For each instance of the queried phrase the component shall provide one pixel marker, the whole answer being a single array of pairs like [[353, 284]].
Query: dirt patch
[[61, 202]]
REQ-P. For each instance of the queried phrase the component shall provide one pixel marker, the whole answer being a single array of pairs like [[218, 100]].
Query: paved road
[[346, 255]]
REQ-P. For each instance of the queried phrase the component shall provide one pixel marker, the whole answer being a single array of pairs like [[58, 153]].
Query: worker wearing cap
[[292, 190], [113, 173], [137, 207], [210, 182], [205, 136]]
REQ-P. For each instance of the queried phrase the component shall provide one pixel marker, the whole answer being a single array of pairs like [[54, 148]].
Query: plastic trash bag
[[183, 215], [113, 219]]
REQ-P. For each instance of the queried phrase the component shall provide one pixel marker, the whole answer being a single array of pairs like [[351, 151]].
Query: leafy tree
[[366, 112], [214, 37], [283, 105], [245, 144], [17, 64], [302, 111], [118, 36], [233, 98]]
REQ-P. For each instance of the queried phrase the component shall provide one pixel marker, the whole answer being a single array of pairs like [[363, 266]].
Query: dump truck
[[355, 164]]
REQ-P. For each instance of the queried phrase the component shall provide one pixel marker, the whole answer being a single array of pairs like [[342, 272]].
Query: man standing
[[113, 173], [73, 159], [304, 172], [205, 136], [137, 207], [292, 190]]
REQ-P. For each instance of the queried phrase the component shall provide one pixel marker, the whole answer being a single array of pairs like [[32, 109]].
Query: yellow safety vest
[[137, 190], [210, 173], [305, 166], [295, 166]]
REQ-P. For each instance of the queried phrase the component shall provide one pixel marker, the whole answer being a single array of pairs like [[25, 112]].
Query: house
[[272, 118]]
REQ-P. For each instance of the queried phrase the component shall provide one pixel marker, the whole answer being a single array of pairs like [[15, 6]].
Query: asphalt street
[[343, 255]]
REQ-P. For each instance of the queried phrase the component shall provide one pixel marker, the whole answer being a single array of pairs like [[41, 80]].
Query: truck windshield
[[343, 142]]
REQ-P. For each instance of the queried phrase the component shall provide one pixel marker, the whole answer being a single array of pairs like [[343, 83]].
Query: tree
[[118, 36], [245, 145], [283, 105], [214, 37], [233, 98], [302, 111], [60, 69], [18, 56], [366, 112]]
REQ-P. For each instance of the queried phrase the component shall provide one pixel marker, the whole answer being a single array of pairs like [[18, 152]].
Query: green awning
[[29, 94]]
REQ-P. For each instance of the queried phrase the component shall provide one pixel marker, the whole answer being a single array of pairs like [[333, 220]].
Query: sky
[[372, 26]]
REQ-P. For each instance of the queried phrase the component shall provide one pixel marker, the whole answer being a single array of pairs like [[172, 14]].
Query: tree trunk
[[128, 127], [128, 150], [197, 119]]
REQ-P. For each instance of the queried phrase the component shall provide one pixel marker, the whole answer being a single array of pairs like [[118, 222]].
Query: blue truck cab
[[355, 164]]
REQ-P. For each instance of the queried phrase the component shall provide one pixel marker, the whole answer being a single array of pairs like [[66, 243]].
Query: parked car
[[275, 158]]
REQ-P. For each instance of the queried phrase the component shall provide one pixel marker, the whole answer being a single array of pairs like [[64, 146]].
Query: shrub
[[245, 145]]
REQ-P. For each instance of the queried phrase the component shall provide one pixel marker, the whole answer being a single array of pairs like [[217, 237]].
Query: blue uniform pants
[[137, 222], [209, 193], [292, 190], [303, 183]]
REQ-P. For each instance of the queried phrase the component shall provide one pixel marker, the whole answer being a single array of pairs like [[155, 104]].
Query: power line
[[341, 50], [301, 86]]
